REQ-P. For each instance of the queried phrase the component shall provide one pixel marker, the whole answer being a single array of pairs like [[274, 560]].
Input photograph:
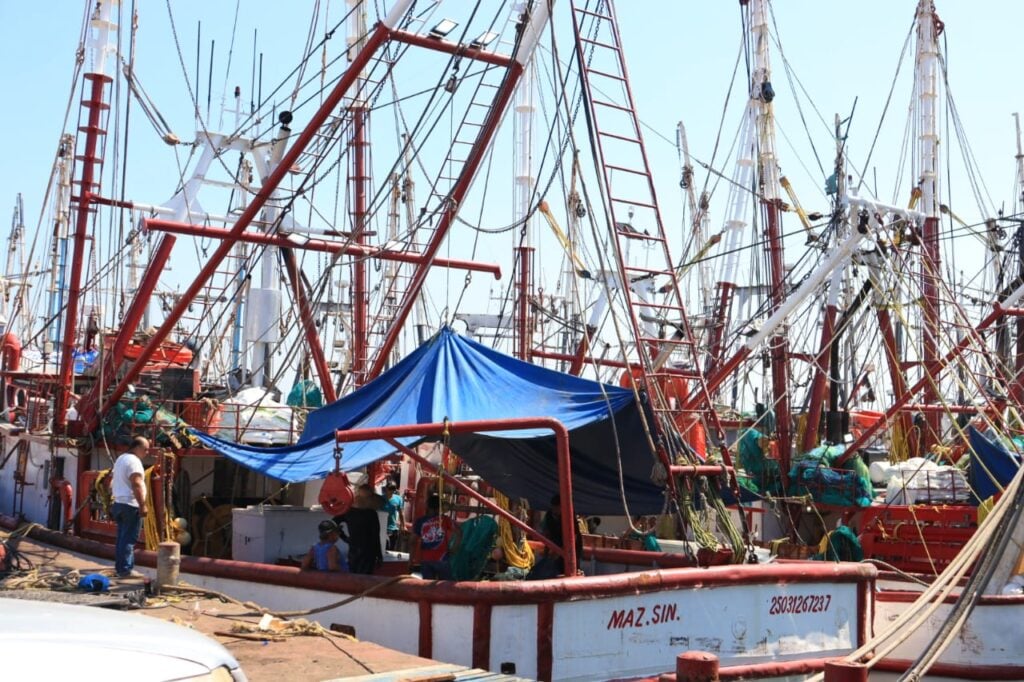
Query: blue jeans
[[127, 518], [436, 570]]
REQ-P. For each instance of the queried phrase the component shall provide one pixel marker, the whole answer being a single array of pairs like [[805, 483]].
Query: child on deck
[[437, 536]]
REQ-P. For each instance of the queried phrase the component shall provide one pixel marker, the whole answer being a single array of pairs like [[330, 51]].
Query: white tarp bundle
[[252, 417], [918, 481]]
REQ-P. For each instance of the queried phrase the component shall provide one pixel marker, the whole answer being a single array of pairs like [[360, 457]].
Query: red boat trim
[[482, 636], [866, 609], [754, 671], [545, 635], [494, 593], [908, 597], [484, 596], [973, 671], [426, 643]]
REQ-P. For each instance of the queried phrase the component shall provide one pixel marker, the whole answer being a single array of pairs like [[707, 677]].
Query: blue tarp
[[991, 462], [459, 379]]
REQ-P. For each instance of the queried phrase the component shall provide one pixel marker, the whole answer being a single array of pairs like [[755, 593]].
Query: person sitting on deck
[[326, 555], [437, 536], [550, 564]]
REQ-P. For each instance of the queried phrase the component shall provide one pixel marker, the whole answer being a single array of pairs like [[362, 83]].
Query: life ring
[[63, 488]]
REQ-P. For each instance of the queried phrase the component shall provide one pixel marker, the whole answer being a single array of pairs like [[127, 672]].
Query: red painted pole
[[721, 318], [483, 425], [715, 380], [941, 364], [88, 413], [603, 362], [449, 47], [473, 161], [319, 245], [525, 260], [579, 357], [309, 326], [360, 297], [779, 344], [820, 382], [291, 156], [931, 269], [95, 105], [896, 376]]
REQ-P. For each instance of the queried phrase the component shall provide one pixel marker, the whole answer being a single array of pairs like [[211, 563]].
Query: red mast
[[762, 95], [926, 87], [89, 183]]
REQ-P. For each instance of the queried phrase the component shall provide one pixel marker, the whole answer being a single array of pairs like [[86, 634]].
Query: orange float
[[336, 493], [10, 352], [676, 392]]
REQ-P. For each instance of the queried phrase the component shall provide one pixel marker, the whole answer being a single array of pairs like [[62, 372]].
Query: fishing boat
[[331, 261]]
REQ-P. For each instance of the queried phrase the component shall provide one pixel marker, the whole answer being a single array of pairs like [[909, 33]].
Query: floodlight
[[483, 41], [445, 27]]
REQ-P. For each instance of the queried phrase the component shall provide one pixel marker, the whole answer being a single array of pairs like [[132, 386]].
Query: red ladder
[[657, 315]]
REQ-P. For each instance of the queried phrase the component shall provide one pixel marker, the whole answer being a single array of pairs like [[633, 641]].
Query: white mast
[[926, 83], [926, 89]]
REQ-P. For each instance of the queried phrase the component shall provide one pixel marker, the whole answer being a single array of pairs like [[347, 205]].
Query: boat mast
[[822, 362], [926, 88], [1018, 360], [16, 268], [761, 96], [523, 143], [103, 26], [358, 181]]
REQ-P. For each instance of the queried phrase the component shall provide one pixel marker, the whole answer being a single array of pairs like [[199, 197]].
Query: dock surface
[[269, 657]]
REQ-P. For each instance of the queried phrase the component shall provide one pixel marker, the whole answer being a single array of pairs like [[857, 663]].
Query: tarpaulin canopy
[[455, 378], [992, 465]]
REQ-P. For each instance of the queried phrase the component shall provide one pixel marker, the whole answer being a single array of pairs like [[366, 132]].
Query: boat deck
[[273, 657]]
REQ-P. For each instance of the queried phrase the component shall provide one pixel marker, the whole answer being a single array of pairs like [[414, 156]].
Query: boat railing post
[[696, 666], [845, 671], [391, 433]]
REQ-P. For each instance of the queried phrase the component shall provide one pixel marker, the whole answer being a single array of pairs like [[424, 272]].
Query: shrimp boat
[[344, 263]]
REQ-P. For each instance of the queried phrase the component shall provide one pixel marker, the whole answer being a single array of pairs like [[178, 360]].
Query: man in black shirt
[[364, 550]]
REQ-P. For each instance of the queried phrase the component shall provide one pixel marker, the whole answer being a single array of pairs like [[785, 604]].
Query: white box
[[267, 533]]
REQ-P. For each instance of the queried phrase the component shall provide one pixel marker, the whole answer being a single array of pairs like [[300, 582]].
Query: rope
[[149, 522], [258, 610], [517, 554]]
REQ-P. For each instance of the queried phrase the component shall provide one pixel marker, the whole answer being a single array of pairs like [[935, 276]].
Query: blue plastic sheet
[[992, 465], [456, 378]]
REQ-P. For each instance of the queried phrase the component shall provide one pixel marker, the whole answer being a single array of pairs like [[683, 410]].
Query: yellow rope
[[101, 491], [517, 554], [149, 524]]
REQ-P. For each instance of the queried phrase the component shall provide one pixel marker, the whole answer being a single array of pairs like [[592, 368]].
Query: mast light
[[443, 28], [483, 40]]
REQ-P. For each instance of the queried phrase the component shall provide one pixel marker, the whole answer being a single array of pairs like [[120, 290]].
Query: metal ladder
[[392, 291], [657, 314]]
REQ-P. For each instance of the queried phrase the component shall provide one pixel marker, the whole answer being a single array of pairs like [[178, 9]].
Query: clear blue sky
[[681, 55]]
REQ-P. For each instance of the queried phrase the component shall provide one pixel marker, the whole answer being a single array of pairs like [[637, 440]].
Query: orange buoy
[[10, 352], [336, 494]]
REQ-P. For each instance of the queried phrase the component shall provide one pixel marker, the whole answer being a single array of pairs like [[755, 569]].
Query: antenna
[[199, 37], [252, 79], [209, 79]]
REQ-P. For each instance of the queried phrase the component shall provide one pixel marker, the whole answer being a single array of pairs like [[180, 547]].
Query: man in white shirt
[[129, 492]]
